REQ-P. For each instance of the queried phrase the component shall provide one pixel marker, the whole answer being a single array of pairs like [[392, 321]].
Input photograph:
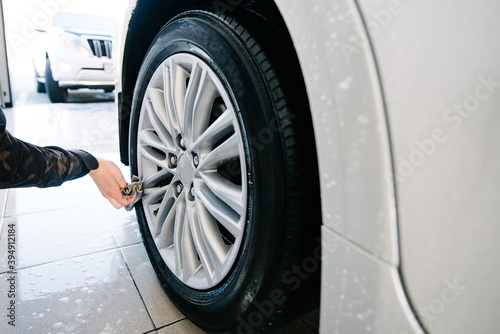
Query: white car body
[[404, 98], [80, 52], [76, 68]]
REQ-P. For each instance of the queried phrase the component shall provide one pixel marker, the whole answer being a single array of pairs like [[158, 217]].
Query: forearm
[[26, 165]]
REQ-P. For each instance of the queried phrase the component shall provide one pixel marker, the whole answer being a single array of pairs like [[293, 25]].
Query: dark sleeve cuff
[[88, 160]]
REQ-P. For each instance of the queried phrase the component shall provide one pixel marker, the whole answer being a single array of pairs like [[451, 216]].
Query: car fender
[[360, 232]]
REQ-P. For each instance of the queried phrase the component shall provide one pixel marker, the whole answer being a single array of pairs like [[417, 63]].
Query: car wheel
[[229, 212], [40, 86], [56, 93]]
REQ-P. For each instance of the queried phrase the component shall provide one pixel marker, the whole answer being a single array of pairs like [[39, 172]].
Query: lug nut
[[173, 160], [196, 160], [192, 191], [179, 188], [180, 142]]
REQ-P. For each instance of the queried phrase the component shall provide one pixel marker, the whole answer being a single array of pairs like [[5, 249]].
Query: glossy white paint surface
[[350, 125], [361, 293], [119, 46], [361, 289], [440, 67]]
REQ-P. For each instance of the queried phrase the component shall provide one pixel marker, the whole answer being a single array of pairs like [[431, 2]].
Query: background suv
[[78, 54]]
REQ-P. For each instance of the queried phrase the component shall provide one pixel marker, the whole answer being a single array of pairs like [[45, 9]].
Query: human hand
[[110, 181]]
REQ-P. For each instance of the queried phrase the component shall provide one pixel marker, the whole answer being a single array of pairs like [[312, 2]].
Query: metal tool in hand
[[134, 187]]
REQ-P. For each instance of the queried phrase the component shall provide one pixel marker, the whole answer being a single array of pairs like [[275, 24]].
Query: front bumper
[[87, 84]]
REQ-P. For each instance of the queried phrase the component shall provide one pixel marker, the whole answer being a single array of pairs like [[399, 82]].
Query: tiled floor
[[80, 264]]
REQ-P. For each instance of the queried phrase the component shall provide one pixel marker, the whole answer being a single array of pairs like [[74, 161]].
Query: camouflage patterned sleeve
[[26, 165]]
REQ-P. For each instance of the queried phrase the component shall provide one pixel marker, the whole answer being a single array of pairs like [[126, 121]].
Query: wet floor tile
[[126, 231], [89, 294], [76, 193], [187, 327], [181, 327], [161, 309], [88, 126], [56, 235], [3, 199]]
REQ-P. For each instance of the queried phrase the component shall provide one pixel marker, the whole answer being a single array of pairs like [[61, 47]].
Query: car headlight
[[64, 66], [84, 51], [74, 41]]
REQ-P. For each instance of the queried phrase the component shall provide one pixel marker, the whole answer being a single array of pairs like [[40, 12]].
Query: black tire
[[275, 278], [56, 93], [40, 87]]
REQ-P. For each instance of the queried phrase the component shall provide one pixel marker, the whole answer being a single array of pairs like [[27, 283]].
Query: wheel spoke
[[190, 101], [220, 211], [175, 91], [164, 216], [171, 114], [190, 262], [225, 152], [211, 234], [155, 157], [153, 196], [216, 131], [154, 179], [228, 192], [179, 230], [158, 116], [150, 138], [154, 113], [209, 265], [203, 104]]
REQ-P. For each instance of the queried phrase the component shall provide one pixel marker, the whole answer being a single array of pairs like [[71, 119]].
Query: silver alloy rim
[[192, 162]]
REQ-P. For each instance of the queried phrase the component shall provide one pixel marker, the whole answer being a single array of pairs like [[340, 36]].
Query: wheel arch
[[135, 45]]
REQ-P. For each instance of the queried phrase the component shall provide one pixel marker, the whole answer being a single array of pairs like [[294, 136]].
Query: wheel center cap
[[186, 169]]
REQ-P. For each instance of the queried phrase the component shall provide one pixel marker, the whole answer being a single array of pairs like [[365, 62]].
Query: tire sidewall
[[56, 93]]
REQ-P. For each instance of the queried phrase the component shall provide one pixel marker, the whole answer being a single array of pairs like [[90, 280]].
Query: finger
[[121, 182], [130, 199], [119, 179], [127, 201], [117, 195]]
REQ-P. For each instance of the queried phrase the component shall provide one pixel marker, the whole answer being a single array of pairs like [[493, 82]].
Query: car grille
[[100, 48]]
